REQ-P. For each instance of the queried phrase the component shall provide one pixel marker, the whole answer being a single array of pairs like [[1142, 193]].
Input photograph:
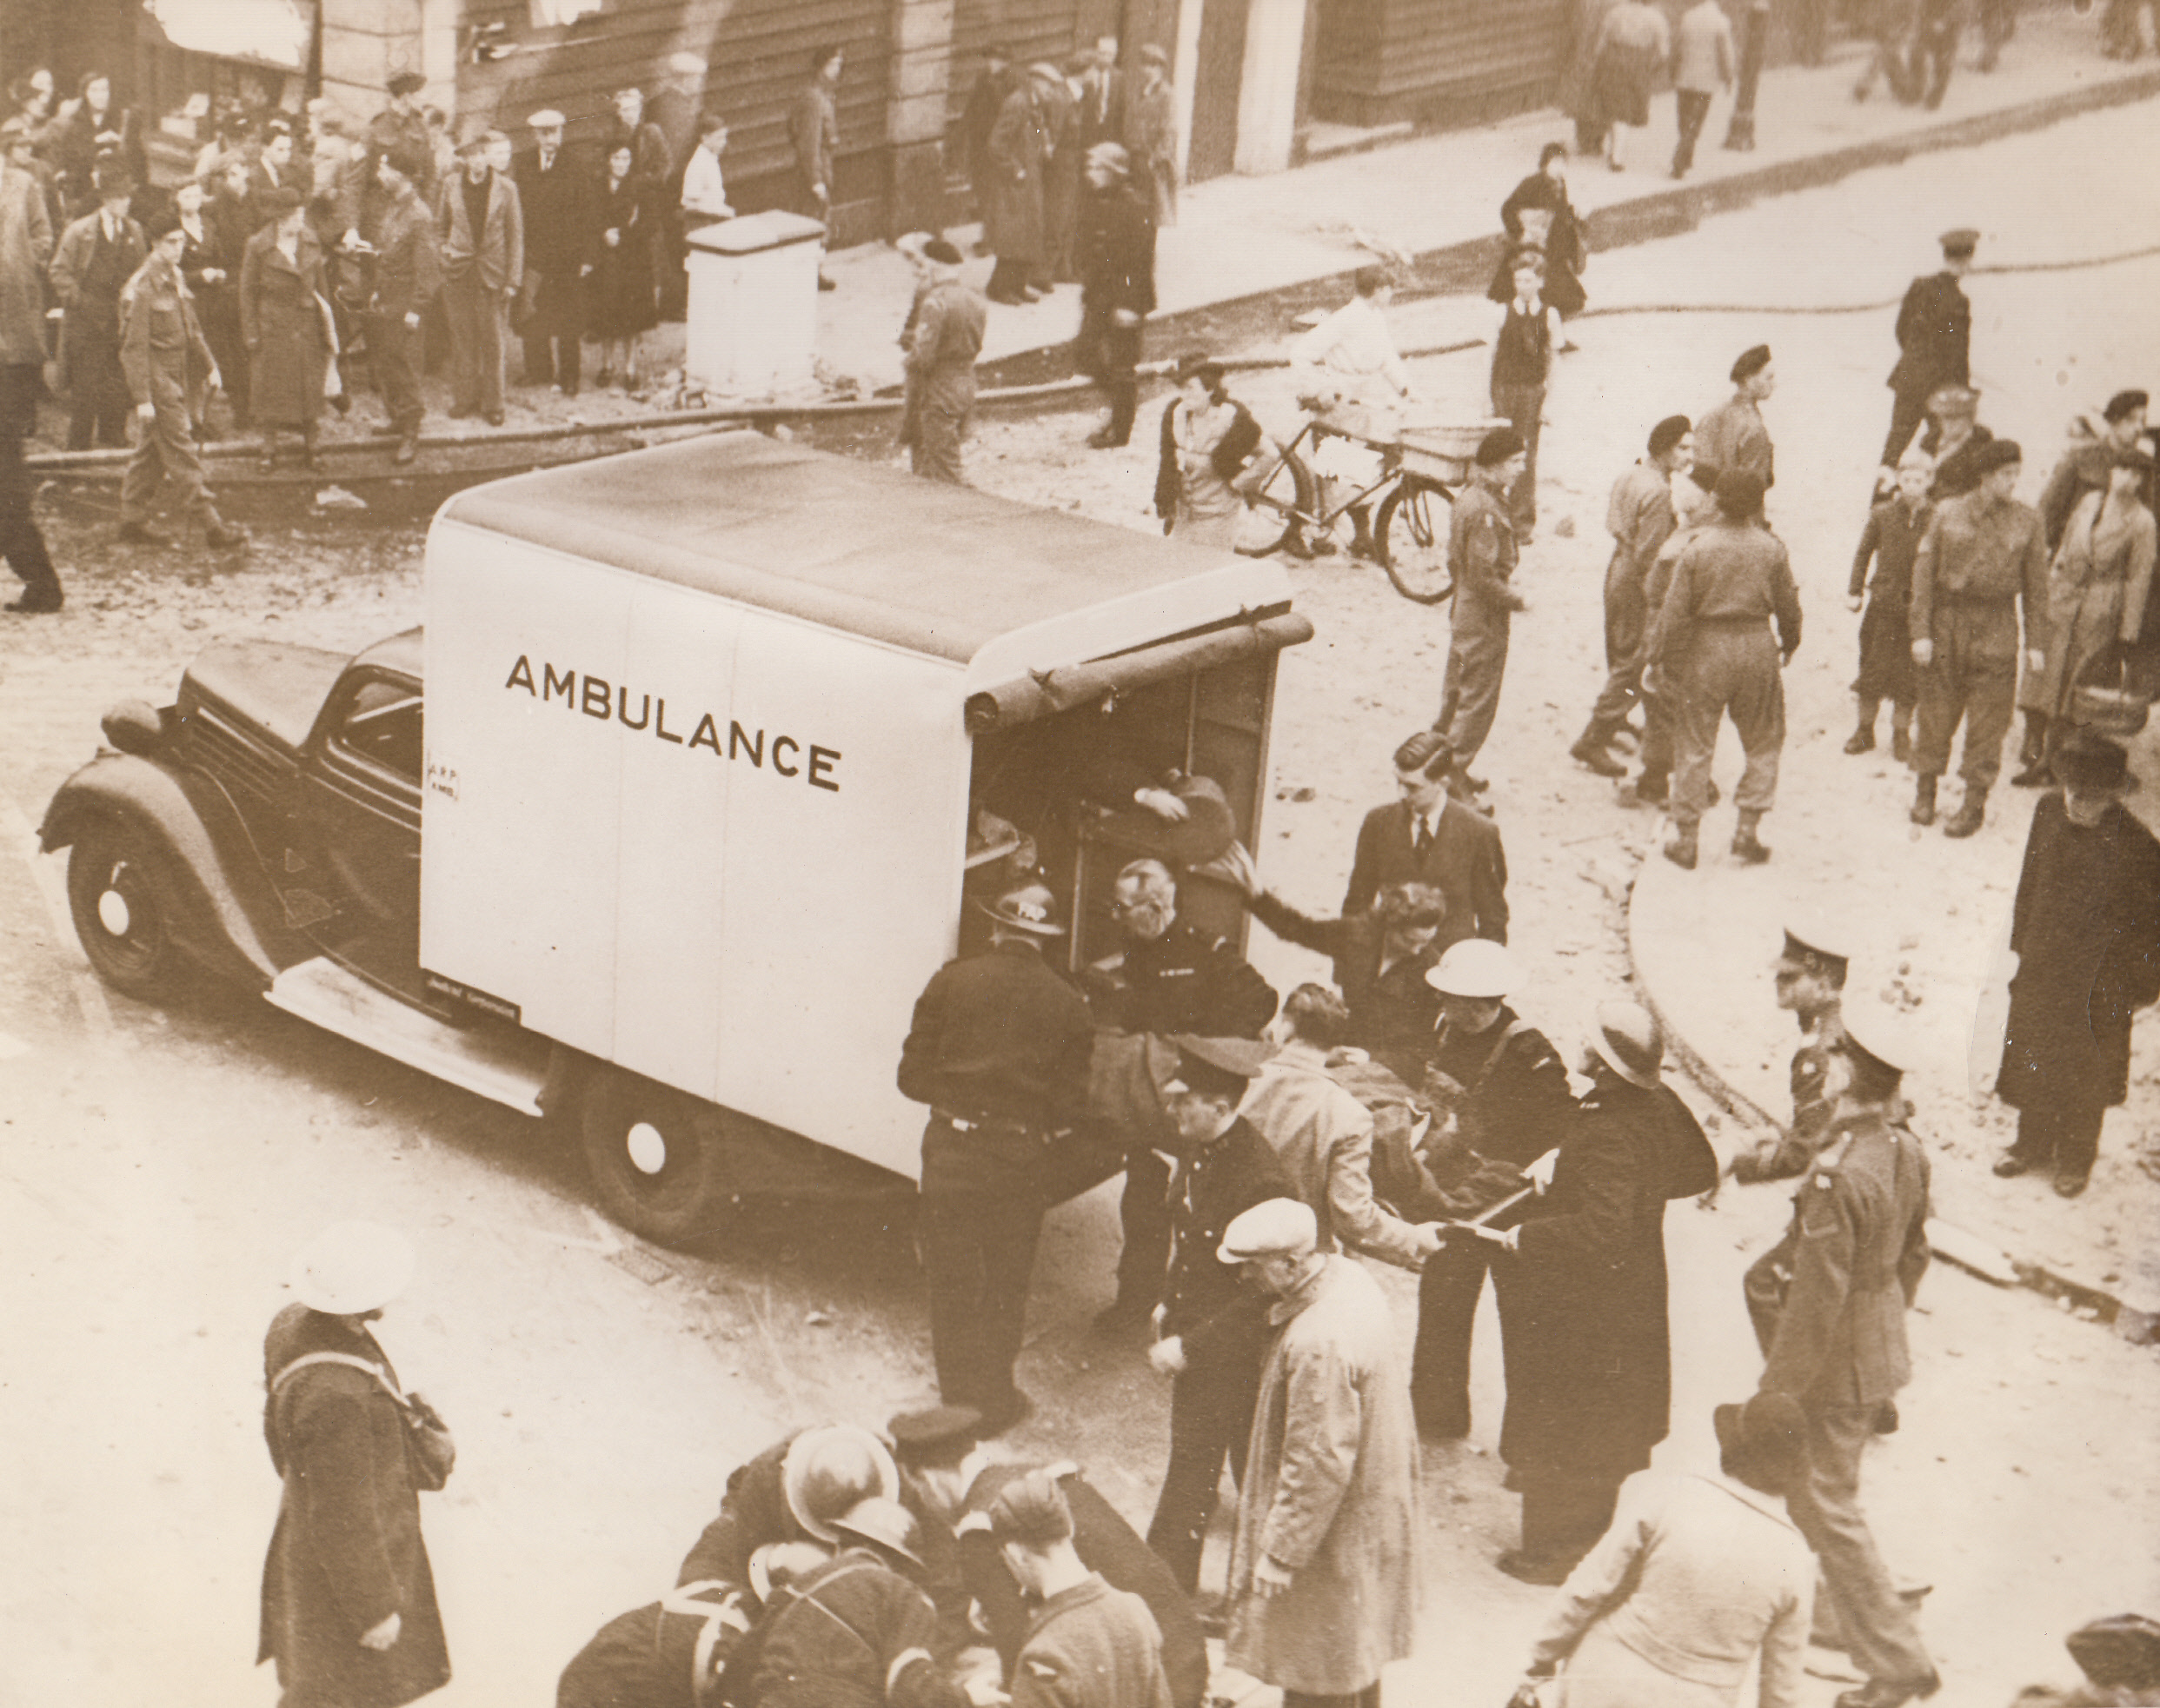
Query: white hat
[[1279, 1227], [1476, 966], [546, 119], [1631, 1042], [352, 1267]]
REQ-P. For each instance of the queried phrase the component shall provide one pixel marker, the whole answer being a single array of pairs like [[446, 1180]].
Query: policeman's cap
[[1277, 1227], [1959, 244], [1810, 933], [1476, 966], [1875, 1039], [1751, 362], [1995, 453], [1218, 1066], [935, 1435]]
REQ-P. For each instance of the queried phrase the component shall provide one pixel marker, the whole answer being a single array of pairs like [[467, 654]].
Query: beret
[[1669, 433], [2124, 403], [1497, 446], [1751, 362], [406, 82], [943, 253], [1995, 454]]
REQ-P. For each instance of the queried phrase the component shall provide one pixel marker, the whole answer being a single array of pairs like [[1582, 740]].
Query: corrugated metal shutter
[[1436, 62], [758, 52]]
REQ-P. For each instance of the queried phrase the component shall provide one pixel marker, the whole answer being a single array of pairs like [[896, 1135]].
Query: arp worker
[[1934, 343], [1713, 647], [1829, 1302], [790, 1492], [999, 1049], [1982, 555]]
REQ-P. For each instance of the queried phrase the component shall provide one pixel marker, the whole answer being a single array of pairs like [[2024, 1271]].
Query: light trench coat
[[1329, 1493]]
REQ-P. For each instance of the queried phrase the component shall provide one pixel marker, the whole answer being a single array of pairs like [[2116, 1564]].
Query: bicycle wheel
[[1289, 495], [1411, 535]]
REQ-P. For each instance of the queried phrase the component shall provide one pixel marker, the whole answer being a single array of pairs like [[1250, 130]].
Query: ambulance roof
[[937, 570]]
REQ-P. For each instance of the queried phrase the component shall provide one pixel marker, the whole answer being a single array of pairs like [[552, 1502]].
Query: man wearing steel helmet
[[349, 1605], [1000, 1048], [790, 1492], [1498, 1093]]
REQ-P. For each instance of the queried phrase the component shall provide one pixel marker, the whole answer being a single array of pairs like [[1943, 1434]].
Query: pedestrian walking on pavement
[[943, 339], [1577, 94], [407, 275], [1809, 980], [2085, 928], [1431, 836], [813, 134], [1634, 43], [1698, 1575], [1580, 1278], [1088, 1646], [1324, 1568], [1733, 434], [1829, 1304], [1523, 342], [26, 246], [1714, 643], [1537, 215], [1211, 1334], [1934, 344], [1754, 44], [348, 1602], [1498, 1091], [1981, 558], [1000, 1048], [481, 227], [1151, 135], [1117, 287], [554, 193], [1703, 62], [1890, 542], [286, 321], [1012, 196], [1640, 517], [1890, 23], [94, 257], [170, 374], [1935, 48], [1481, 555], [1211, 447]]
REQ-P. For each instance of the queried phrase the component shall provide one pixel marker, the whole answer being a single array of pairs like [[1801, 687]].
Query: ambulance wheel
[[656, 1157], [126, 907]]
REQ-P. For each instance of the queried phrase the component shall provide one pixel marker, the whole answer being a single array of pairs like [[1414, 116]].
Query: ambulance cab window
[[383, 727]]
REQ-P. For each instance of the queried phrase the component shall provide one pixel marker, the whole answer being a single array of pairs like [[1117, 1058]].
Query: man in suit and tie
[[1428, 837], [552, 194]]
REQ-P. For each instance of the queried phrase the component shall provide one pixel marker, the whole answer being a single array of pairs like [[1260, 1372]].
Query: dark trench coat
[[1587, 1352], [281, 322], [1012, 200]]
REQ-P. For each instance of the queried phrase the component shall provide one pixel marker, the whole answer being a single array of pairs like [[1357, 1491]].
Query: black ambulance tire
[[658, 1158], [135, 946]]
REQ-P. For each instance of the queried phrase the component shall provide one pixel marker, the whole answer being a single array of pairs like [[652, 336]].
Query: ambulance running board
[[507, 1068]]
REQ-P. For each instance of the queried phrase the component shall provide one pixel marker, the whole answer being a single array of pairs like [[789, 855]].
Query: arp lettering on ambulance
[[598, 698]]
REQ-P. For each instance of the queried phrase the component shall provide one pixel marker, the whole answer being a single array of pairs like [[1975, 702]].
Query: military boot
[[1592, 749], [1681, 850], [1923, 800], [1971, 814], [1746, 845], [2033, 769]]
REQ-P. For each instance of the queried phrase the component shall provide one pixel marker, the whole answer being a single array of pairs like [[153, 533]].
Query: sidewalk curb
[[2072, 1291], [1468, 265]]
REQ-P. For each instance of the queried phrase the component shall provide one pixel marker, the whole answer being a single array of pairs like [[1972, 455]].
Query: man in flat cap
[[1733, 436], [2086, 932], [1324, 1569], [1934, 343], [1640, 517], [170, 374], [1714, 645], [482, 227], [1982, 557], [943, 340], [556, 194], [407, 275], [951, 1484], [1829, 1302], [1000, 1048], [1481, 556], [95, 256], [1088, 1646], [1809, 979], [1211, 1334], [2084, 467]]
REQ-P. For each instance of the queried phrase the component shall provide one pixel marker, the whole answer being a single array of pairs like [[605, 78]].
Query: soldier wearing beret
[[1981, 556], [1733, 436], [1934, 343], [1829, 1302], [1481, 556], [408, 273], [943, 339]]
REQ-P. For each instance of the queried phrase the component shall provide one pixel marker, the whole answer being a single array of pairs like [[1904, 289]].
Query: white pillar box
[[753, 298]]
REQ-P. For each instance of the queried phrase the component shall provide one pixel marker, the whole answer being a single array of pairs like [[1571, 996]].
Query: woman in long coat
[[1582, 1296], [285, 320], [619, 308], [1012, 201], [2097, 590], [1538, 213]]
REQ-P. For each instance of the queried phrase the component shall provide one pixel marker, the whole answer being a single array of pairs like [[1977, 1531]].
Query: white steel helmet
[[1476, 966]]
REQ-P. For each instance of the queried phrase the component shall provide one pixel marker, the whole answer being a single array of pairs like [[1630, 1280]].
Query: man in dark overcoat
[[1429, 837], [2086, 933], [1117, 262], [96, 257], [1011, 192], [1060, 107], [348, 1607], [1934, 343], [555, 193], [1581, 1283]]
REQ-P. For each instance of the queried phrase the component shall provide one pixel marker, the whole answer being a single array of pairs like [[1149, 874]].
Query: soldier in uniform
[[398, 126], [1733, 436], [1810, 981], [1498, 1092], [1829, 1302], [1088, 1646], [943, 340], [1934, 344], [1481, 555], [1211, 1334], [1171, 978], [1954, 438], [171, 372], [1982, 553], [1000, 1048], [1714, 644], [1641, 518], [408, 273], [951, 1485]]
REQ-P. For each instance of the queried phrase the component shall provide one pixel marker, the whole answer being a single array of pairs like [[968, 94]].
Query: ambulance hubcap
[[112, 913], [647, 1145]]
